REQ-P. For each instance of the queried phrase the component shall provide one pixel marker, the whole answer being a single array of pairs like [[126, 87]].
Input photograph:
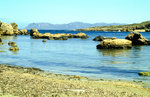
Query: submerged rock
[[43, 40], [137, 39], [15, 48], [101, 38], [10, 43], [144, 73], [115, 44]]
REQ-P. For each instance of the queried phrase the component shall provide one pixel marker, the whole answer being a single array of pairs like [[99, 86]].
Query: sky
[[24, 12]]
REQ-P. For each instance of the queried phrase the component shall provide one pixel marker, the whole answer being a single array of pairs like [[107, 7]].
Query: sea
[[79, 57]]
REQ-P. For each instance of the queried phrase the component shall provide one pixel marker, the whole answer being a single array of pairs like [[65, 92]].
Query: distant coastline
[[69, 26], [138, 27]]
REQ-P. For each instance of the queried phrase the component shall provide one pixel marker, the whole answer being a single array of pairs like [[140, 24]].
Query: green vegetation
[[144, 73], [139, 27]]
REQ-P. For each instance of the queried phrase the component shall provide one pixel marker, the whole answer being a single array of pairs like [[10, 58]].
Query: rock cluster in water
[[58, 36], [11, 29], [13, 47], [134, 38]]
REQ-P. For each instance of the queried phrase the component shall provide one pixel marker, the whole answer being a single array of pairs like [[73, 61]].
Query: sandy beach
[[32, 82]]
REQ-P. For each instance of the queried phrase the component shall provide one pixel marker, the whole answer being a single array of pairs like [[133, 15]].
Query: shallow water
[[79, 57]]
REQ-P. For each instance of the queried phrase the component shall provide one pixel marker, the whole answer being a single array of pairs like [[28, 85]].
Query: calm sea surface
[[79, 57]]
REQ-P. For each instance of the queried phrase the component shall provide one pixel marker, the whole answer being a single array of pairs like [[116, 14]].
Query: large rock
[[115, 44], [15, 28], [34, 32], [6, 29], [101, 38], [137, 39]]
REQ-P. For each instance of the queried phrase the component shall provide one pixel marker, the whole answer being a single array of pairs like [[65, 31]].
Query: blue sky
[[65, 11]]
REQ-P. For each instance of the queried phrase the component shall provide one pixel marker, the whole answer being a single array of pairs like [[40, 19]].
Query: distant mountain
[[69, 26]]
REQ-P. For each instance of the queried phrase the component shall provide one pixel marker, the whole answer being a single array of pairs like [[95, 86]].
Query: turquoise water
[[79, 57]]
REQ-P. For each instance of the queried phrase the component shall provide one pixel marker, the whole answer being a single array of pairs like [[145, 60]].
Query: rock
[[80, 35], [34, 32], [12, 43], [65, 37], [144, 73], [14, 48], [0, 40], [43, 40], [137, 39], [23, 32], [15, 28], [115, 44], [101, 38], [6, 29]]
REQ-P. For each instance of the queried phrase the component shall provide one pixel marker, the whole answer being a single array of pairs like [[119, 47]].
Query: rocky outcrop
[[115, 44], [23, 32], [144, 73], [15, 28], [101, 38], [58, 36], [137, 39], [6, 29]]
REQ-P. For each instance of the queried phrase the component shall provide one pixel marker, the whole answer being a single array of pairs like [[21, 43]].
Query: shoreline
[[23, 81]]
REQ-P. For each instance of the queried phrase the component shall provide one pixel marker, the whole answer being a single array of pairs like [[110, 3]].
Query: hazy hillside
[[69, 26], [141, 27]]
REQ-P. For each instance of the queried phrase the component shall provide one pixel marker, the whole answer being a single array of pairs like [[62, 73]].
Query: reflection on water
[[9, 37], [114, 52]]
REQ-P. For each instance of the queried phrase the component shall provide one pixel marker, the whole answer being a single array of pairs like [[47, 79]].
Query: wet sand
[[32, 82]]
